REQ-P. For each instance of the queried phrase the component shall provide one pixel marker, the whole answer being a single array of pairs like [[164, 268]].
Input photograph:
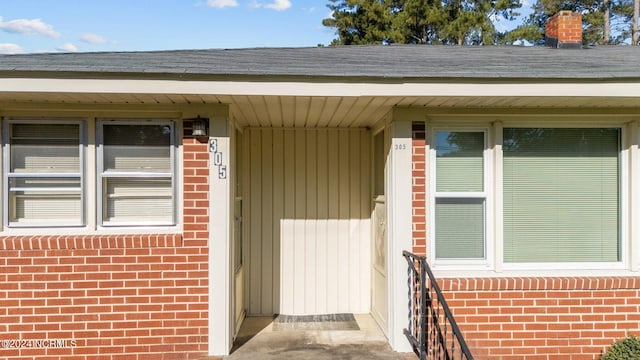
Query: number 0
[[217, 158]]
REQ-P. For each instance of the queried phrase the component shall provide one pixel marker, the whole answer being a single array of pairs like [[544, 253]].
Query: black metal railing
[[432, 331]]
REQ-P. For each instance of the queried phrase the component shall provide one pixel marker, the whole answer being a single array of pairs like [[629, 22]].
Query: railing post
[[423, 311], [431, 333]]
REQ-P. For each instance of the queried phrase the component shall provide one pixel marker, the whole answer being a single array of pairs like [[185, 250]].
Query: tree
[[634, 26], [462, 22], [359, 22], [601, 20], [607, 22], [420, 21]]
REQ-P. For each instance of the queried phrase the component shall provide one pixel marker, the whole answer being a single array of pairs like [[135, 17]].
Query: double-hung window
[[48, 180], [43, 165], [136, 172], [459, 195]]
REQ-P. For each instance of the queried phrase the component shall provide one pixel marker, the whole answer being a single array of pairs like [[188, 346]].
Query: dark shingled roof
[[396, 62]]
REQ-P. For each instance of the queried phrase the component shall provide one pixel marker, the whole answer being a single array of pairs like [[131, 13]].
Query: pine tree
[[601, 19], [462, 22], [420, 21], [634, 26], [359, 22]]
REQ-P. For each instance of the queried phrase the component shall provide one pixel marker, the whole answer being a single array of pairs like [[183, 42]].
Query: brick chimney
[[564, 30]]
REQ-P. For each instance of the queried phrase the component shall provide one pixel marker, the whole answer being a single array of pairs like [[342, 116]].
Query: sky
[[35, 26], [31, 26]]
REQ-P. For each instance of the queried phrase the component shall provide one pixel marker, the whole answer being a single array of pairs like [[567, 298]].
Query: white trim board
[[220, 225], [290, 88]]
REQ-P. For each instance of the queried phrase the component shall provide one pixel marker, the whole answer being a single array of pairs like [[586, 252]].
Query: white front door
[[238, 265], [238, 248], [379, 303], [379, 270]]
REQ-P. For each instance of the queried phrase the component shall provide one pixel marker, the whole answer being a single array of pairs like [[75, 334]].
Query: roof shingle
[[395, 62]]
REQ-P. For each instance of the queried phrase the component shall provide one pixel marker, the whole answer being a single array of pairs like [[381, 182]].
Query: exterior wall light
[[199, 126]]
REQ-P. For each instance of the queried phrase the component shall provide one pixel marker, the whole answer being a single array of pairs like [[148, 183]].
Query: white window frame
[[101, 174], [7, 174], [485, 263], [494, 265], [623, 204]]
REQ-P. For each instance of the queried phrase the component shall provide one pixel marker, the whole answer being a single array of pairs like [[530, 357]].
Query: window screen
[[137, 177], [44, 174]]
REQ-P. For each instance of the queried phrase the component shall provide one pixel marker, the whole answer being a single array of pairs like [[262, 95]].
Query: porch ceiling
[[317, 111]]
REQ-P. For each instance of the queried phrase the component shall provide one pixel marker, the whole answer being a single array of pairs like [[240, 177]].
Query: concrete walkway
[[260, 339]]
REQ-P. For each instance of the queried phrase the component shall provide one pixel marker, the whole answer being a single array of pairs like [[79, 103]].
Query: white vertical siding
[[309, 221]]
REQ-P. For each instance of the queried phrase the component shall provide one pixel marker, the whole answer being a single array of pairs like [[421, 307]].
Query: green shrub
[[626, 349]]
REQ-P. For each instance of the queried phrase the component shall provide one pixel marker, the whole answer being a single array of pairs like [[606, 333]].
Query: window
[[560, 198], [561, 195], [46, 180], [459, 200], [136, 173], [43, 164]]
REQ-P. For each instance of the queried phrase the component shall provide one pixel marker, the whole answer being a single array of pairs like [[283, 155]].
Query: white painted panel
[[239, 299], [332, 241], [322, 227], [286, 285], [311, 216], [307, 188], [278, 210], [255, 223], [343, 222], [266, 212]]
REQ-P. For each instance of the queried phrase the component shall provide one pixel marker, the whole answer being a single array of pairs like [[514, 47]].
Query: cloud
[[68, 47], [90, 38], [278, 5], [222, 3], [7, 48], [28, 27]]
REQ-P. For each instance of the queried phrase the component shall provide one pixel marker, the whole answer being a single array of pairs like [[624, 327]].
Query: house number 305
[[217, 158]]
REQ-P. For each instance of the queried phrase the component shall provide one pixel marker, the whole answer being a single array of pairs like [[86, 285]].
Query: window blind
[[561, 195], [34, 207], [44, 179], [137, 173], [138, 200], [459, 228], [42, 148], [459, 198]]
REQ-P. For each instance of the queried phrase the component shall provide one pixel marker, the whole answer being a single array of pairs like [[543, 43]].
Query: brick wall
[[530, 318], [544, 318], [117, 297], [419, 189]]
